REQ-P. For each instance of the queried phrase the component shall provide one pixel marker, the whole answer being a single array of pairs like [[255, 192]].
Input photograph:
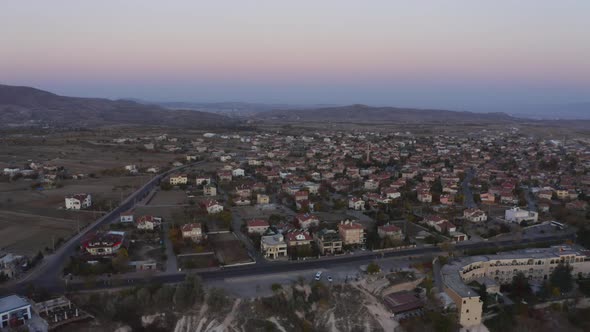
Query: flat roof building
[[536, 264]]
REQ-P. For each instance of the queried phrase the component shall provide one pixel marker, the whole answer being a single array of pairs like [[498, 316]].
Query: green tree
[[121, 261], [520, 287], [217, 299], [276, 287], [373, 268], [562, 278]]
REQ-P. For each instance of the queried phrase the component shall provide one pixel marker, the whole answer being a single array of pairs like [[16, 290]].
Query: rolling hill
[[29, 106], [368, 114]]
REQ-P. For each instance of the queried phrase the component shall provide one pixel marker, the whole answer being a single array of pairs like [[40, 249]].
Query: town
[[421, 223]]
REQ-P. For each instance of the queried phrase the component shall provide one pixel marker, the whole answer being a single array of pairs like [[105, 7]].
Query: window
[[464, 302]]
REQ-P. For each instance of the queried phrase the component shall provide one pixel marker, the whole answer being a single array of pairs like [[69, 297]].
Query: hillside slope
[[367, 114], [29, 106]]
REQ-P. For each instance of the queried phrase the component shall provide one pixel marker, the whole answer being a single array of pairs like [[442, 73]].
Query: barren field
[[228, 249], [26, 234], [172, 197], [30, 220]]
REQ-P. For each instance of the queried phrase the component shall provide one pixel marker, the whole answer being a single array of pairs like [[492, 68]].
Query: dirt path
[[378, 310]]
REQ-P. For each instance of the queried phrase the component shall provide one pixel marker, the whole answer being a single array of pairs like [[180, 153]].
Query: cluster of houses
[[277, 240]]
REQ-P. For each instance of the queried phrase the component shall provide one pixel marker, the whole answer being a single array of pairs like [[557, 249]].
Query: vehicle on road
[[318, 276], [329, 278], [558, 225]]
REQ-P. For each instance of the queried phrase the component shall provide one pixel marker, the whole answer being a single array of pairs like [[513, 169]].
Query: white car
[[318, 276], [329, 278]]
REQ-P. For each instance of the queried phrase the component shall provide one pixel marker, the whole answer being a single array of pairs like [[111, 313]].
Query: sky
[[444, 54]]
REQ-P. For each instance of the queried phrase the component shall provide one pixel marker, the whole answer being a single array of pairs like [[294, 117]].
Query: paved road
[[467, 193], [171, 261], [48, 272], [281, 267], [437, 276]]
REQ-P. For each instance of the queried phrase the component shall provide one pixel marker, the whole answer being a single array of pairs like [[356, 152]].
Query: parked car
[[318, 276]]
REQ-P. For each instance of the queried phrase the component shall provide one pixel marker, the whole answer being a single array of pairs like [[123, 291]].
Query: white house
[[192, 231], [126, 217], [132, 169], [153, 170], [237, 172], [213, 206], [179, 179], [78, 201], [202, 180], [475, 215], [148, 222], [210, 190], [518, 215], [356, 203]]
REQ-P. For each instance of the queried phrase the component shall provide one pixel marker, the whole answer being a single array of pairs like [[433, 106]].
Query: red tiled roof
[[257, 223]]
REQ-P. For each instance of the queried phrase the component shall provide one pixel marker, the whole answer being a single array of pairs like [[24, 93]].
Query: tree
[[121, 261], [373, 268], [562, 278], [276, 287], [164, 296], [483, 295], [520, 287], [217, 299]]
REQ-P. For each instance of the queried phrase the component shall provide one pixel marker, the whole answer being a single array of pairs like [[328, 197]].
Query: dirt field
[[172, 197], [228, 249], [26, 234], [30, 220], [196, 261]]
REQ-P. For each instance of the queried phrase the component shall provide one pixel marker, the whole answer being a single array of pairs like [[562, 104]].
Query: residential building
[[307, 220], [224, 175], [301, 195], [352, 233], [15, 311], [238, 172], [213, 206], [391, 231], [371, 185], [356, 203], [210, 190], [475, 215], [262, 199], [126, 217], [192, 231], [257, 226], [273, 246], [297, 238], [78, 202], [179, 179], [519, 215], [148, 223], [202, 180], [424, 196], [104, 244], [328, 241], [536, 264]]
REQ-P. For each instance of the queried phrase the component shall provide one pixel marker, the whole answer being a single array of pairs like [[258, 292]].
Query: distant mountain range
[[564, 111], [368, 114], [237, 109], [26, 106], [29, 106]]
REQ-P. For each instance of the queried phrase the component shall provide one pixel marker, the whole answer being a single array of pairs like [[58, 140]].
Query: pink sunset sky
[[405, 53]]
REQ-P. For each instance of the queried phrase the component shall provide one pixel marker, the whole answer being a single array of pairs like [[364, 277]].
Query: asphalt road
[[282, 267]]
